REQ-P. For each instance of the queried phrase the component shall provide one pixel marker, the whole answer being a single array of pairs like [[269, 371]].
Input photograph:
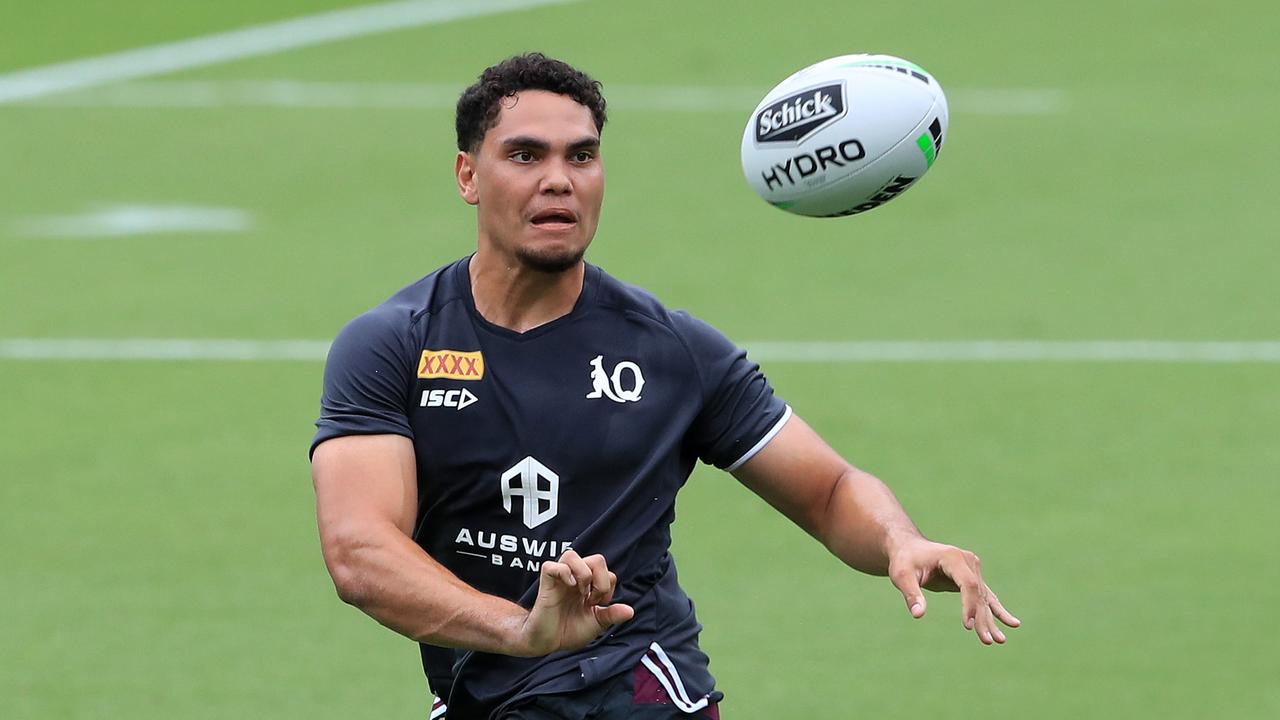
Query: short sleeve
[[367, 379], [740, 413]]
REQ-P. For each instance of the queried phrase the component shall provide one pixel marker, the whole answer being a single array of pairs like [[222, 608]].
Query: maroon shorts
[[650, 692]]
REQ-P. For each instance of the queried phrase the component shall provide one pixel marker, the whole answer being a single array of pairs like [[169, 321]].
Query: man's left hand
[[917, 563]]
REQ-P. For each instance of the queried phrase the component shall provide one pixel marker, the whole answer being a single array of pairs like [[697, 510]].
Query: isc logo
[[448, 398]]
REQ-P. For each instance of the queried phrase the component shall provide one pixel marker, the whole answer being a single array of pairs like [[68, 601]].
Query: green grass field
[[1110, 175]]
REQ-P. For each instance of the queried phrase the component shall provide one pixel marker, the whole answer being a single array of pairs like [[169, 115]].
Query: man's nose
[[556, 180]]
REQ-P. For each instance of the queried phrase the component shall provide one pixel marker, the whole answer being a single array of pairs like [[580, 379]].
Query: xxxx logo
[[452, 364]]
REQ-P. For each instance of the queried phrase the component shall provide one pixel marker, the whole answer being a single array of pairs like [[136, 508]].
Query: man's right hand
[[572, 607]]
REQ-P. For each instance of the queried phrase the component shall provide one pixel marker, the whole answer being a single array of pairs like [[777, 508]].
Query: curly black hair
[[479, 105]]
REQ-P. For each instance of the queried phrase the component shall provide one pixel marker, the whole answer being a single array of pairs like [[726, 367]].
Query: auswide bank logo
[[452, 364], [801, 114], [537, 486]]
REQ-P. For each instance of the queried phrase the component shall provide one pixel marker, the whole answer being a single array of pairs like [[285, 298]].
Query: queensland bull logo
[[623, 385], [525, 480]]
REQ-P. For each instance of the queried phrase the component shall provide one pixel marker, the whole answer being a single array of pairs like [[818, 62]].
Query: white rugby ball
[[845, 135]]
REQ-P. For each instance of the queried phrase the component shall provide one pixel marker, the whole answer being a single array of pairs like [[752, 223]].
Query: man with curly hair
[[501, 443]]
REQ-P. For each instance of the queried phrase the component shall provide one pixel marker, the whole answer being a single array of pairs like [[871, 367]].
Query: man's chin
[[551, 262]]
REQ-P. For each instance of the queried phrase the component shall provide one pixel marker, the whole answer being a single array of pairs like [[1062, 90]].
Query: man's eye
[[522, 156], [583, 156]]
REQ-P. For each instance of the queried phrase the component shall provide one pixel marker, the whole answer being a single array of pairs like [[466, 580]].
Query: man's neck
[[510, 295]]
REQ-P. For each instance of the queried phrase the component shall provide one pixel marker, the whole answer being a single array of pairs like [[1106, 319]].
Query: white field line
[[112, 221], [958, 351], [249, 42], [142, 349], [429, 96], [989, 351]]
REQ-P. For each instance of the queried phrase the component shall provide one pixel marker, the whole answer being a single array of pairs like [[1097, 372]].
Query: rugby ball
[[844, 136]]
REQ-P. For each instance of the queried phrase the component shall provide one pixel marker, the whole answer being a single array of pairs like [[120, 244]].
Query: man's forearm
[[864, 521], [389, 577]]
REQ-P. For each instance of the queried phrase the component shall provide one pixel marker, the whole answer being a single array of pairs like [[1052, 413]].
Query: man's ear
[[465, 170]]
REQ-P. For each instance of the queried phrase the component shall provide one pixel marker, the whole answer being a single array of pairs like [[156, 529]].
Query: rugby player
[[501, 443]]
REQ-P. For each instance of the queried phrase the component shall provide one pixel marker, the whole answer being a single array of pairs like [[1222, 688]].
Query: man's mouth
[[555, 218]]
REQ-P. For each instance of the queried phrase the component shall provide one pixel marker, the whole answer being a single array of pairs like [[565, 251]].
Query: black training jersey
[[577, 433]]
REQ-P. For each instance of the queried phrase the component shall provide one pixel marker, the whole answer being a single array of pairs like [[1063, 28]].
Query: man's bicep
[[364, 479], [796, 472]]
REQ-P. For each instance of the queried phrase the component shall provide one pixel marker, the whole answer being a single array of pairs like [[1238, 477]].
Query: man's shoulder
[[425, 295], [396, 324], [624, 297], [699, 337], [408, 305]]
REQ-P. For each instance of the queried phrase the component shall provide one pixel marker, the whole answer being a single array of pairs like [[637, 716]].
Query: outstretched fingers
[[984, 626], [981, 607], [909, 585], [964, 569], [1001, 613], [922, 563]]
